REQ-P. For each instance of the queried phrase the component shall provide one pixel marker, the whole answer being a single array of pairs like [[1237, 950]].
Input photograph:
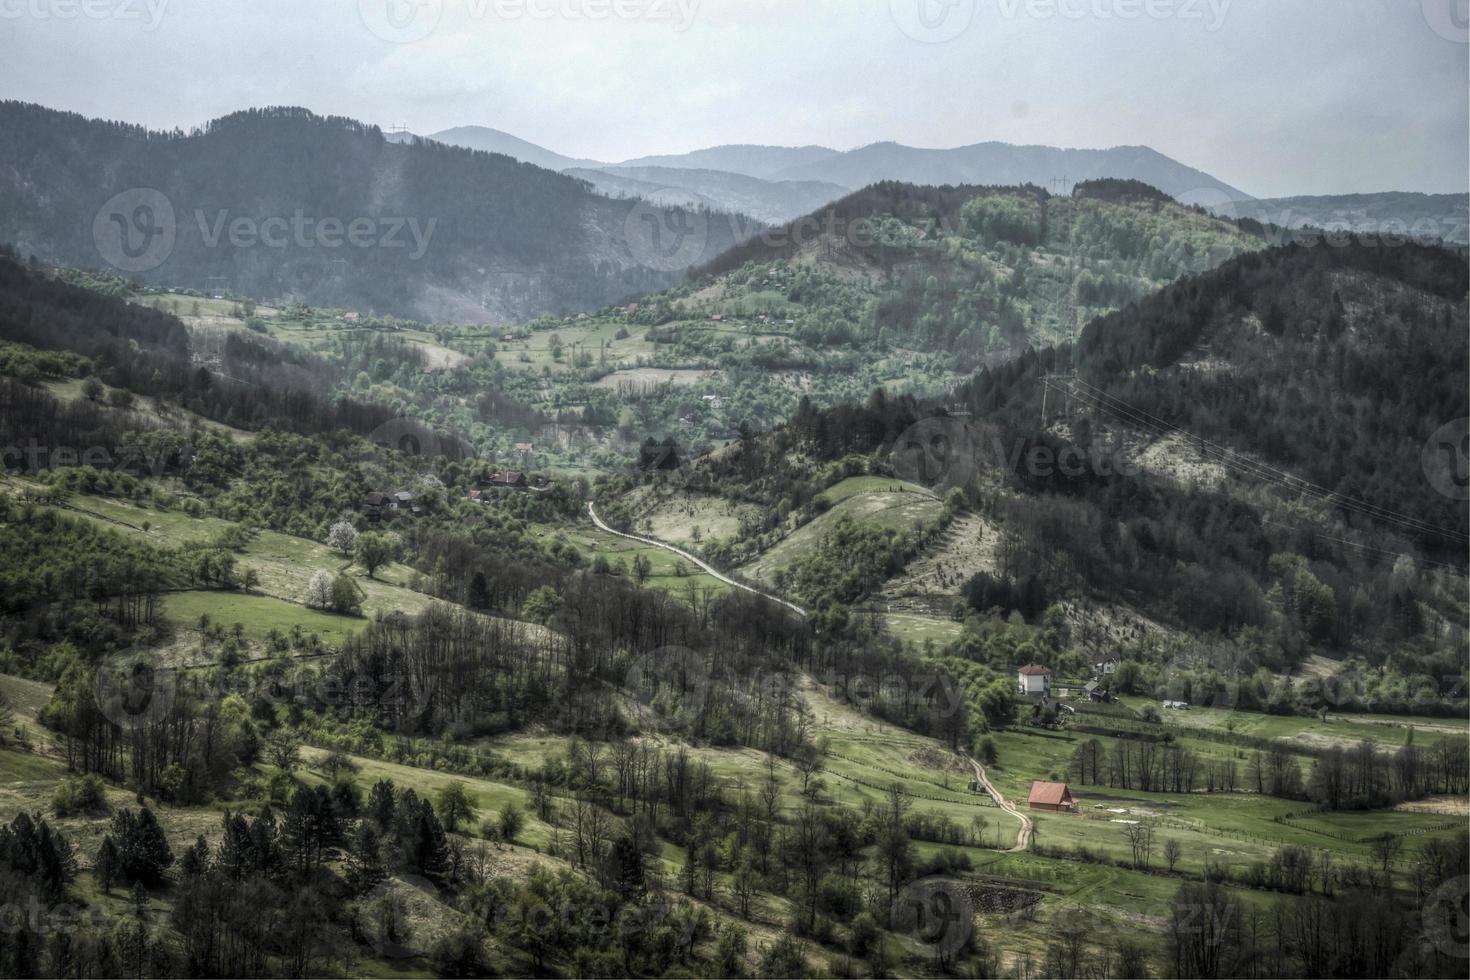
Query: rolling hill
[[1425, 216], [287, 206]]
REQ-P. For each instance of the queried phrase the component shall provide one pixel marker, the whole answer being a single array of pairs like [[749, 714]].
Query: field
[[666, 571], [686, 519], [871, 501]]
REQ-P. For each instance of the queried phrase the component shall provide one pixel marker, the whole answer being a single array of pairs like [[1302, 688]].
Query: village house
[[375, 503], [1056, 797], [1106, 667], [1035, 679], [509, 480]]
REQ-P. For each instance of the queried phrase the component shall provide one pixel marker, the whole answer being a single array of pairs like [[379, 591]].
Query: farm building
[[1035, 679], [1051, 796]]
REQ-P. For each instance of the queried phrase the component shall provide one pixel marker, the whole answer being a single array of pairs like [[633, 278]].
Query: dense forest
[[451, 234]]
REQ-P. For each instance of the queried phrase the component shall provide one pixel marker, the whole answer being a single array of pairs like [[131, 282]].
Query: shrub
[[80, 794]]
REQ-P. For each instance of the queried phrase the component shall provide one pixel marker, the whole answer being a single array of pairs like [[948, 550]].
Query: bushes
[[80, 794]]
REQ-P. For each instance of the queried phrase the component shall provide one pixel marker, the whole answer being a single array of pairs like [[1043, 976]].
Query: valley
[[938, 568]]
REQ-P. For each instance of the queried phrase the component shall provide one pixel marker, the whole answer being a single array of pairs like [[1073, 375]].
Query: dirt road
[[704, 567], [1023, 838]]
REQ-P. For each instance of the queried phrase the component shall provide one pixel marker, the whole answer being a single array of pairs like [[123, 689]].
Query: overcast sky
[[1275, 97]]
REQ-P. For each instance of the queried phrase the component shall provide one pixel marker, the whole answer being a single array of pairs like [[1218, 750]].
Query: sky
[[1276, 97]]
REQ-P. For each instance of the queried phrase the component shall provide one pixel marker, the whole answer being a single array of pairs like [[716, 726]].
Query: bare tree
[[1172, 850]]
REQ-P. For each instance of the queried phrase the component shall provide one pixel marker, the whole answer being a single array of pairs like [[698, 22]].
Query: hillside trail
[[703, 566], [1023, 838]]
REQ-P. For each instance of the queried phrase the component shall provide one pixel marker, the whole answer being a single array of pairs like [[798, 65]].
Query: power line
[[1381, 552], [1136, 416]]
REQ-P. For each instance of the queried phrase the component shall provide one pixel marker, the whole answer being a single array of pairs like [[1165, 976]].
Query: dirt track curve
[[1023, 838]]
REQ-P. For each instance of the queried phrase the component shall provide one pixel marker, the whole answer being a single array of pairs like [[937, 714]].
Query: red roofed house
[[1051, 796], [1035, 679]]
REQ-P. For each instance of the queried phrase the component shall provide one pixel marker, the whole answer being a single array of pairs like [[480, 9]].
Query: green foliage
[[79, 794], [143, 854]]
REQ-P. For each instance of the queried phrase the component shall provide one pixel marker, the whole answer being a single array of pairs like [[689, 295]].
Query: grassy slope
[[873, 501]]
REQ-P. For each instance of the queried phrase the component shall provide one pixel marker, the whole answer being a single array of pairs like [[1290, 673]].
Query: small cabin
[[510, 479], [1035, 679], [1056, 797]]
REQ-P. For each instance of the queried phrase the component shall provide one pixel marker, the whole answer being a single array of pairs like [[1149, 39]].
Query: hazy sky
[[1275, 97]]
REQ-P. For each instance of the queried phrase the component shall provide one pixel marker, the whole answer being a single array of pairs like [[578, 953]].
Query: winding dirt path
[[703, 566], [1023, 837]]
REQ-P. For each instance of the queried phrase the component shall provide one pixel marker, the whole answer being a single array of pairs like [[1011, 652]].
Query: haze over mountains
[[787, 182], [776, 184], [286, 205]]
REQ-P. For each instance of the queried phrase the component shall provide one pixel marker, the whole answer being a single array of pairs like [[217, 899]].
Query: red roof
[[1050, 794], [1035, 670]]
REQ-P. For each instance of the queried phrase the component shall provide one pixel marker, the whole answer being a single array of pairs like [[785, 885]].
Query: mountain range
[[776, 184], [288, 206], [782, 183]]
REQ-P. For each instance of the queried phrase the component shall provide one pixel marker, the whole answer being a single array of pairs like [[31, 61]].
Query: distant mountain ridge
[[288, 206], [495, 141], [1006, 164], [769, 201], [1425, 216], [824, 175]]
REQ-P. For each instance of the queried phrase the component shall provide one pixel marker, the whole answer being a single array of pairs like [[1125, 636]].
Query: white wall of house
[[1035, 683]]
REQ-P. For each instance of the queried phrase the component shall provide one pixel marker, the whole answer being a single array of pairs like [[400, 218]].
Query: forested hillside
[[1239, 457], [333, 214]]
